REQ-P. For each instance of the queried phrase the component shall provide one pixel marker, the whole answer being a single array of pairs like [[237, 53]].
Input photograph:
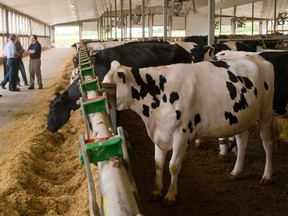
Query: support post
[[211, 24], [143, 20], [233, 21], [170, 26], [80, 30], [220, 22], [107, 24], [130, 19], [100, 28], [150, 25], [121, 16], [275, 16], [115, 19], [165, 13], [252, 18], [110, 16]]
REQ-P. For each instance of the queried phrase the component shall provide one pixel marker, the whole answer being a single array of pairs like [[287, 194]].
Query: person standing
[[12, 63], [20, 49], [5, 68], [34, 51]]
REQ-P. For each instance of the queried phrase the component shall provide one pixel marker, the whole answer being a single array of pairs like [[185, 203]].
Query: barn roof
[[55, 12]]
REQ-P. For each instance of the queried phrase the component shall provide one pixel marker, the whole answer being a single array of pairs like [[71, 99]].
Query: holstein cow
[[135, 54], [62, 106], [279, 60], [207, 53], [182, 102]]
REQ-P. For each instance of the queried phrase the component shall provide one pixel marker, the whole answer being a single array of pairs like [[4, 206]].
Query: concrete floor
[[52, 60]]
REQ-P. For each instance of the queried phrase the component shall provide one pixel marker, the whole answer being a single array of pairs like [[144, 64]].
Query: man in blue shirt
[[12, 63], [34, 51]]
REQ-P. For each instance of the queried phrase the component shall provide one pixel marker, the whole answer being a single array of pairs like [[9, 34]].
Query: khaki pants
[[35, 68]]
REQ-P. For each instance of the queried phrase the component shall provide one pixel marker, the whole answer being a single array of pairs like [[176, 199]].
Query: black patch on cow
[[240, 79], [197, 119], [178, 114], [266, 85], [155, 103], [184, 130], [243, 90], [146, 110], [232, 77], [121, 75], [220, 64], [136, 74], [190, 126], [135, 93], [149, 87], [232, 90], [247, 82], [152, 88], [232, 119], [162, 82], [255, 92], [164, 98], [173, 97], [241, 105]]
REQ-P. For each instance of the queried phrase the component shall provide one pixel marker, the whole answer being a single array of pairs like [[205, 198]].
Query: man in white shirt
[[12, 63]]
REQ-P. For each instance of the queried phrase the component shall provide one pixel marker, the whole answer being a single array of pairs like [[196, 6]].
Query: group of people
[[12, 62]]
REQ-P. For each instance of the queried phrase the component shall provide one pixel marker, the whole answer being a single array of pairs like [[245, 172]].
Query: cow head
[[59, 113], [120, 75], [202, 53]]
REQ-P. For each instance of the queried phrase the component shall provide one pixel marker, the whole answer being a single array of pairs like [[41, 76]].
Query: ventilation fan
[[282, 18], [136, 17], [121, 22], [181, 7]]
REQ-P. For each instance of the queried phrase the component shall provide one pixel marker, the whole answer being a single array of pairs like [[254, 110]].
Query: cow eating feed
[[183, 102]]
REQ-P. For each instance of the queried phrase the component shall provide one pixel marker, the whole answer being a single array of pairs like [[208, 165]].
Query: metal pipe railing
[[117, 187]]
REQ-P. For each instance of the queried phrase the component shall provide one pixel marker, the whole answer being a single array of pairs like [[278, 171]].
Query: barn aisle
[[53, 61]]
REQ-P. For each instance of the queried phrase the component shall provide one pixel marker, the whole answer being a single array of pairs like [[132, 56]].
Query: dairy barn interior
[[99, 162]]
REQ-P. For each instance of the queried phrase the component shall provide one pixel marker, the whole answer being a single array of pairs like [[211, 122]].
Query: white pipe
[[118, 191]]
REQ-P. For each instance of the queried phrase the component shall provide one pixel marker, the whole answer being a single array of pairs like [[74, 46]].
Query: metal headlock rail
[[102, 147]]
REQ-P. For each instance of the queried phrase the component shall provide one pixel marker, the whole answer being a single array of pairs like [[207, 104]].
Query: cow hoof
[[168, 203], [234, 177], [266, 182], [156, 198]]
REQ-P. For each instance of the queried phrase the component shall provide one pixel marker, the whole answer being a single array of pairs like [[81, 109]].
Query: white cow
[[230, 54], [188, 46], [182, 102], [96, 46]]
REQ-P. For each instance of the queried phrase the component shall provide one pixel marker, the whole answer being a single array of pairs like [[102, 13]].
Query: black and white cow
[[140, 54], [183, 102], [135, 54], [279, 60], [62, 106], [207, 53], [235, 46]]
